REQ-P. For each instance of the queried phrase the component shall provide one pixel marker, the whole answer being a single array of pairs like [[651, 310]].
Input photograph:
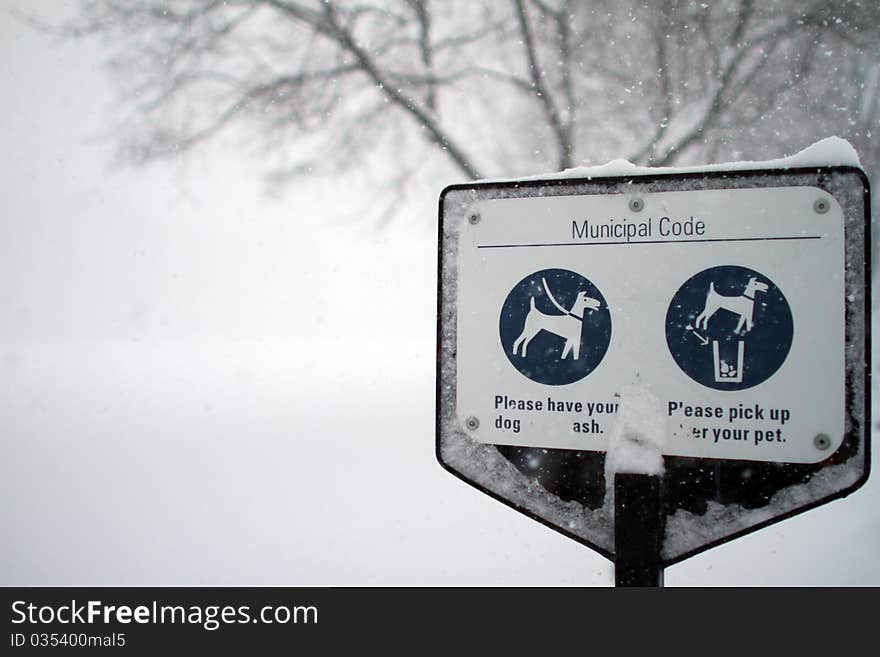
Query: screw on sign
[[544, 327]]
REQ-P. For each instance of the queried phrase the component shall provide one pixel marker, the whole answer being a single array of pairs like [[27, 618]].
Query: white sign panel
[[728, 304]]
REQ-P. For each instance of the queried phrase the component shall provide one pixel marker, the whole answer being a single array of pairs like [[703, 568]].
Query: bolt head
[[472, 423], [636, 204], [474, 219], [822, 442], [822, 205]]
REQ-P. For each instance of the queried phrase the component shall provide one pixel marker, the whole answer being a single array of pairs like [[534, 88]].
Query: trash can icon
[[725, 371]]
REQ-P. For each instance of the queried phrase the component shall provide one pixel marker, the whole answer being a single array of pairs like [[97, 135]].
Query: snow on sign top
[[831, 151], [735, 296]]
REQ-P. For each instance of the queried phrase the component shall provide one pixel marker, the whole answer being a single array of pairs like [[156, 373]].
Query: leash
[[557, 304]]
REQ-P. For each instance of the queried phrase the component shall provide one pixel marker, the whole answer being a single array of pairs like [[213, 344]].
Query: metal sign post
[[739, 299], [638, 530]]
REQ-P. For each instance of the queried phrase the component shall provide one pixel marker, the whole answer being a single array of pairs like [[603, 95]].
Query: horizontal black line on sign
[[722, 239]]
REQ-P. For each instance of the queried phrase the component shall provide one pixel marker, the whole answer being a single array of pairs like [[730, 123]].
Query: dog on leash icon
[[555, 326], [729, 328]]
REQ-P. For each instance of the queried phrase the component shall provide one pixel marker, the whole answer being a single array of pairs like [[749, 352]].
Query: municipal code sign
[[728, 303], [741, 299]]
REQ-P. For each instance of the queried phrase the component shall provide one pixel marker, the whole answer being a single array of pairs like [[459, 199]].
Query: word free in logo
[[555, 326], [729, 328]]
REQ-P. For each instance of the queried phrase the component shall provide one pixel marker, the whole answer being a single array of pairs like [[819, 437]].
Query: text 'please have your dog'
[[503, 402]]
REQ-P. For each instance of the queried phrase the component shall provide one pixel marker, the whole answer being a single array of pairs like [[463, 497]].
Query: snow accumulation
[[831, 151], [685, 531], [637, 437], [639, 434]]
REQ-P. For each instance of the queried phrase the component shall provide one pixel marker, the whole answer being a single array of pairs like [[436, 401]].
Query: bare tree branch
[[327, 24], [420, 8], [725, 93], [661, 35], [563, 141], [324, 83]]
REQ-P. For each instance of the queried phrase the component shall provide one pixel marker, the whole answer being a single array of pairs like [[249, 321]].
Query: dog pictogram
[[555, 326], [567, 325], [742, 305]]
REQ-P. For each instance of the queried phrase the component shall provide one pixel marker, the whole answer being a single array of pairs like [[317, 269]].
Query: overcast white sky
[[203, 385]]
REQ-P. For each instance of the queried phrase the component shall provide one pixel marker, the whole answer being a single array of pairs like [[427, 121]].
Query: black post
[[638, 530]]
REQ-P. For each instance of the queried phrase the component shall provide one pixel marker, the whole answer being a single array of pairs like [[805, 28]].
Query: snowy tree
[[501, 88]]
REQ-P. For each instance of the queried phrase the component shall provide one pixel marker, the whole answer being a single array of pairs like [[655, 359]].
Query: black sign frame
[[856, 438]]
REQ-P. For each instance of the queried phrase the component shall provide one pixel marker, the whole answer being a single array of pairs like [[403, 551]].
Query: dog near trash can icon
[[729, 327]]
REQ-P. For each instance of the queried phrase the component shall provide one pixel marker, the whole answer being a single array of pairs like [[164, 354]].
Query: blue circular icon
[[555, 326], [729, 328]]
